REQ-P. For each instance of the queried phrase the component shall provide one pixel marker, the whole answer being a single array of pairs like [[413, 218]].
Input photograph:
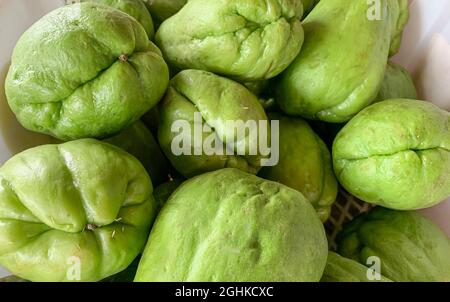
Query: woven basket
[[344, 210]]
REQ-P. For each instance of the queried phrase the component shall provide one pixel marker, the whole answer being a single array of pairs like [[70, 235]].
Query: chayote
[[126, 275], [151, 120], [228, 225], [164, 9], [139, 142], [163, 191], [218, 102], [305, 164], [409, 247], [396, 154], [308, 5], [135, 8], [78, 211], [84, 70], [397, 83], [343, 60], [340, 269], [247, 40]]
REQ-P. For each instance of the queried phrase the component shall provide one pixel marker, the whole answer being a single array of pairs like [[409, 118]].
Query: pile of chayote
[[89, 75]]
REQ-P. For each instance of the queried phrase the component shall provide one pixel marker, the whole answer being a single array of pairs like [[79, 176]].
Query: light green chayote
[[139, 142], [78, 211], [396, 154], [134, 8], [397, 83], [84, 70], [410, 248], [247, 40], [304, 164], [164, 9], [219, 101], [343, 60], [341, 269], [229, 225]]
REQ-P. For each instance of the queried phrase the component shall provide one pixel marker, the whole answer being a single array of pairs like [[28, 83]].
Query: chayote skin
[[78, 211], [308, 5], [135, 8], [340, 269], [343, 60], [218, 100], [396, 154], [247, 40], [126, 275], [84, 70], [397, 83], [151, 120], [163, 191], [305, 164], [164, 9], [139, 142], [228, 225], [409, 246]]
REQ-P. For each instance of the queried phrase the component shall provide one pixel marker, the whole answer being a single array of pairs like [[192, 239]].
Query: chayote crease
[[396, 154], [84, 70], [219, 101], [79, 211], [247, 40]]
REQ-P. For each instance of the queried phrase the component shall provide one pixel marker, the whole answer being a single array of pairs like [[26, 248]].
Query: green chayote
[[84, 70], [228, 225], [163, 191], [219, 101], [126, 275], [134, 8], [247, 40], [308, 5], [397, 83], [304, 165], [409, 247], [139, 142], [78, 211], [396, 154], [164, 9], [151, 120], [340, 269], [343, 60]]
